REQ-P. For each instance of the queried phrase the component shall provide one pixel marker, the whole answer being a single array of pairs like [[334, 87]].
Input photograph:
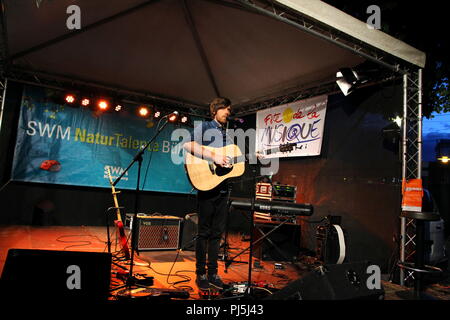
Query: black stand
[[137, 158], [248, 292], [107, 226], [225, 245], [418, 267]]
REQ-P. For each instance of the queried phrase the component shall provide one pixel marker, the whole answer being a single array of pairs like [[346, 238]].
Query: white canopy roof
[[343, 22], [187, 50]]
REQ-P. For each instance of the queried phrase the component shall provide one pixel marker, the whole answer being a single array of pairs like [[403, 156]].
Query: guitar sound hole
[[221, 171]]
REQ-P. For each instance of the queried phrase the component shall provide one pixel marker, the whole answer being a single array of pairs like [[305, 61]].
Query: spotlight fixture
[[103, 104], [157, 114], [118, 107], [143, 111], [184, 119], [85, 102], [347, 79], [69, 98], [173, 117]]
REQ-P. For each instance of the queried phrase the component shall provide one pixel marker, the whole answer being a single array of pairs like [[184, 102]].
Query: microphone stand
[[137, 158]]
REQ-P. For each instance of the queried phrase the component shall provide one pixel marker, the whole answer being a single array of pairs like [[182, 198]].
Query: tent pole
[[404, 138], [5, 85], [200, 47], [77, 32]]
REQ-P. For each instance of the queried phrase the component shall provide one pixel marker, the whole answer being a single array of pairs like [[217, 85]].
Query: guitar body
[[119, 224], [122, 238], [206, 175]]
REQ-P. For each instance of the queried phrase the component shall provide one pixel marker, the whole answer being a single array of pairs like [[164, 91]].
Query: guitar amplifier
[[157, 233]]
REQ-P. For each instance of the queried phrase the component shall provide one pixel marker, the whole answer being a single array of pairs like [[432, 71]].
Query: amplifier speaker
[[346, 281], [50, 275], [158, 233]]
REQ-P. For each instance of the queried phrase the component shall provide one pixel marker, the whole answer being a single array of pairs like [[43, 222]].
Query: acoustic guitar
[[118, 222], [205, 175]]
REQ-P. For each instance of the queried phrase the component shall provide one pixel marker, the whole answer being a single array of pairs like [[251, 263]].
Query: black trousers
[[212, 217]]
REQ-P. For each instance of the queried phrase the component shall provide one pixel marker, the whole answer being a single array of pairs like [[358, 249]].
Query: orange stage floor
[[170, 269]]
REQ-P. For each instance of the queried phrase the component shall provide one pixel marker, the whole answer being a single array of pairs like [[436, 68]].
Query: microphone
[[235, 119]]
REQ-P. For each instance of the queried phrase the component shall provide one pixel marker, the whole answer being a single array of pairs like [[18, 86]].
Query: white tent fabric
[[186, 50]]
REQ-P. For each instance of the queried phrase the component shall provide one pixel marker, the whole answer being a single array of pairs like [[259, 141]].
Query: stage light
[[118, 107], [85, 102], [143, 111], [173, 117], [444, 159], [347, 79], [184, 119], [69, 98], [443, 150], [157, 115], [398, 121], [103, 104]]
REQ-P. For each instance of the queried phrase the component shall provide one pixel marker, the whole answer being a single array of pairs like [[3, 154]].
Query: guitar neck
[[114, 193], [283, 148], [116, 204]]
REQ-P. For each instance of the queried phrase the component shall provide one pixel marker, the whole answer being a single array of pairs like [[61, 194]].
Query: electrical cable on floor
[[84, 242]]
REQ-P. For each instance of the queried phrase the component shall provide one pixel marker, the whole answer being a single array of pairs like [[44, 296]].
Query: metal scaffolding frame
[[412, 159]]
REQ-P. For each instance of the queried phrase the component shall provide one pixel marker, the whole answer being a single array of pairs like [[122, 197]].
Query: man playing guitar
[[212, 204]]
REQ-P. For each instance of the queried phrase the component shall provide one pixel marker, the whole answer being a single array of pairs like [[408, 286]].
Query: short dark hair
[[218, 103]]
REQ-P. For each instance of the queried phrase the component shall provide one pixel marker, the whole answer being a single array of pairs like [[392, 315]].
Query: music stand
[[138, 158]]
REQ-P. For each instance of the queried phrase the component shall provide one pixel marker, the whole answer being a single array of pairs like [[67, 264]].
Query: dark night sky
[[421, 25]]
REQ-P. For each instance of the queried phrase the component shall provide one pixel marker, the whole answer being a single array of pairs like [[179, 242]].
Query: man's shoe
[[202, 282], [215, 281]]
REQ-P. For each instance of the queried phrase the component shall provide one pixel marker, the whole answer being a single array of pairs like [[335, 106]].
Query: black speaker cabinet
[[158, 233], [346, 281], [54, 275], [280, 244]]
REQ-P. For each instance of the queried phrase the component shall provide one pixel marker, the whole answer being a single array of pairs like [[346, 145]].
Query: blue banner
[[60, 144]]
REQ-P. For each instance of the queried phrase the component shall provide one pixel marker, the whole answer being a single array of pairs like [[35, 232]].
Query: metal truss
[[412, 159], [125, 95], [294, 18], [3, 86], [299, 94], [289, 16]]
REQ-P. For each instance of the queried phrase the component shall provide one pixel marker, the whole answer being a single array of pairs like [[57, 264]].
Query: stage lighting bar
[[101, 104]]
